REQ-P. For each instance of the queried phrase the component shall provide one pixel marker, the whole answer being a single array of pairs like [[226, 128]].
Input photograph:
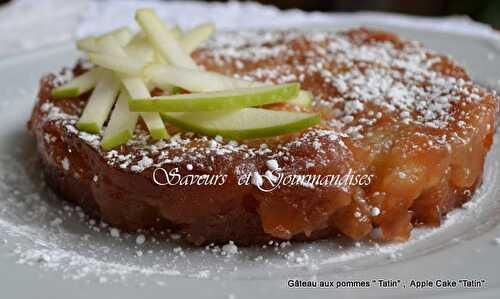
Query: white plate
[[47, 249]]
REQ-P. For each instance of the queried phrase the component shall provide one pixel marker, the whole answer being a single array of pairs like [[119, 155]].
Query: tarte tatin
[[409, 118]]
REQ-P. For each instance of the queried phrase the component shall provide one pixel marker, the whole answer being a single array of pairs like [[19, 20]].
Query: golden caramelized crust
[[391, 109]]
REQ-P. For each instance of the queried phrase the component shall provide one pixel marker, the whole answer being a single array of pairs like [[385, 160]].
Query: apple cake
[[409, 118]]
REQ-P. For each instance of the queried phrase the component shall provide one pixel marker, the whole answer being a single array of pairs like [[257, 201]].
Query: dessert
[[405, 123]]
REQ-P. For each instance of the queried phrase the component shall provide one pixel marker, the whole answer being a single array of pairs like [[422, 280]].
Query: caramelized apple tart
[[406, 117]]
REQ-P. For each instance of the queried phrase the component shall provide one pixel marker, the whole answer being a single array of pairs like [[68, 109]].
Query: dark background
[[486, 11]]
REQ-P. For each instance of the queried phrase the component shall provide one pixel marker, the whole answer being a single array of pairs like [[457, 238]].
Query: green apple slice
[[177, 32], [123, 65], [303, 99], [99, 104], [109, 45], [86, 44], [121, 124], [137, 89], [244, 123], [204, 81], [77, 86], [192, 80], [195, 80], [112, 56], [123, 35], [140, 49], [193, 38], [217, 100], [163, 39]]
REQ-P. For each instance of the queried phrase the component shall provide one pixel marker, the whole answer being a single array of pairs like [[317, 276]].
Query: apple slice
[[217, 100], [140, 49], [123, 65], [99, 104], [243, 123], [121, 124], [135, 86], [112, 56], [177, 32], [303, 99], [163, 39], [86, 44], [193, 38], [77, 86], [137, 89], [192, 80], [204, 81], [123, 35]]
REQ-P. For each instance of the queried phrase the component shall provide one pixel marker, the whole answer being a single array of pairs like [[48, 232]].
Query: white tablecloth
[[31, 24]]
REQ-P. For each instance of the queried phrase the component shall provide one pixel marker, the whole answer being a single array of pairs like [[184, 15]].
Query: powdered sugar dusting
[[48, 233], [362, 84]]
